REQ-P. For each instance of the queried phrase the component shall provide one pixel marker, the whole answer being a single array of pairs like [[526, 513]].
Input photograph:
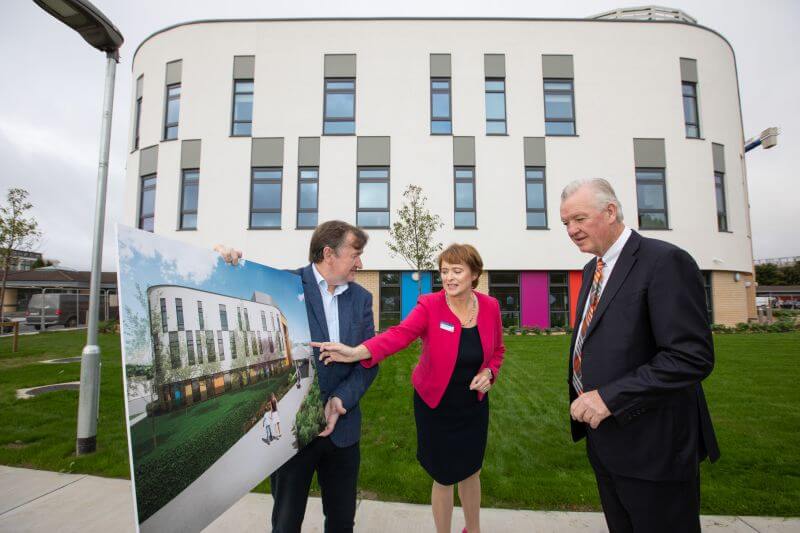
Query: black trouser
[[644, 506], [337, 473]]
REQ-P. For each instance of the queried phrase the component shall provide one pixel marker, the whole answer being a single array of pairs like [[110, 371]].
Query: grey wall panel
[[534, 152], [688, 70], [308, 151], [649, 153], [718, 153], [464, 151], [174, 69], [440, 66], [244, 67], [139, 86], [494, 65], [190, 154], [340, 65], [148, 160], [373, 151], [557, 66], [267, 152]]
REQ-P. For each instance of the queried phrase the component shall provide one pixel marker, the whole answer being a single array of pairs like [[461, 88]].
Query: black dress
[[451, 439]]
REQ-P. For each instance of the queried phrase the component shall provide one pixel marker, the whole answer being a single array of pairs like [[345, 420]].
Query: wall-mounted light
[[736, 276], [748, 284]]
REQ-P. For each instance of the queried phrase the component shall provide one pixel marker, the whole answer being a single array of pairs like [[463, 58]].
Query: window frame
[[383, 285], [518, 286], [181, 209], [137, 122], [665, 210], [571, 93], [236, 93], [505, 105], [167, 100], [142, 189], [722, 216], [456, 209], [253, 182], [301, 180], [326, 92], [543, 181], [387, 181], [565, 285], [694, 103], [223, 318], [449, 93]]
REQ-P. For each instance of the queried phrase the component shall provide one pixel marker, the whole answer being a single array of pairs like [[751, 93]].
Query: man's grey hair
[[603, 193]]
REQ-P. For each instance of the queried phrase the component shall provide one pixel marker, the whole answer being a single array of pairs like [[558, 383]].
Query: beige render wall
[[10, 301], [370, 280], [733, 302]]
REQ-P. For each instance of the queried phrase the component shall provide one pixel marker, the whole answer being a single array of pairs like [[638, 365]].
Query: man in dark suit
[[339, 310], [641, 346]]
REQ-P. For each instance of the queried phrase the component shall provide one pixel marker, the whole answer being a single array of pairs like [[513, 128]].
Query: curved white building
[[248, 132]]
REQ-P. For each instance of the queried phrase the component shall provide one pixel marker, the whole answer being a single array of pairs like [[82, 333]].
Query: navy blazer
[[347, 381], [646, 351]]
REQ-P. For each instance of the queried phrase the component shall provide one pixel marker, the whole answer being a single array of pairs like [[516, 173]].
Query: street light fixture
[[99, 32], [766, 139]]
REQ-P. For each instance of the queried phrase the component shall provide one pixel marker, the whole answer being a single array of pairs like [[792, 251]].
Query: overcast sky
[[52, 84]]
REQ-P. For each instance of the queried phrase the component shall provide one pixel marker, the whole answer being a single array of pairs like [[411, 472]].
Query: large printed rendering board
[[219, 377]]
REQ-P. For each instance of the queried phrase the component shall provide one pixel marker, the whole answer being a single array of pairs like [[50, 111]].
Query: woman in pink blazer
[[462, 350]]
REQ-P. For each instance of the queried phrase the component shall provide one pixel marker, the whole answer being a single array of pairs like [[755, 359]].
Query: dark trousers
[[337, 474], [638, 505]]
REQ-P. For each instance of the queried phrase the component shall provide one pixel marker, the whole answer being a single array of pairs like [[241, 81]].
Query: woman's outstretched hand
[[336, 352]]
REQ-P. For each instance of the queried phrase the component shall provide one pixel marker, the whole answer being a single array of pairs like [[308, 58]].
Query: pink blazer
[[431, 320]]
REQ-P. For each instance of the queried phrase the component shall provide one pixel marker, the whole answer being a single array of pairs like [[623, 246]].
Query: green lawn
[[531, 461]]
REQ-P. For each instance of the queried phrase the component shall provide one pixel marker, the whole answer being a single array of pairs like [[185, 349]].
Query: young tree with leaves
[[17, 232], [411, 237]]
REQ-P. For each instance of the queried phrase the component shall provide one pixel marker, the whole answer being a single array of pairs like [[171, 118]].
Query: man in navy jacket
[[641, 346], [338, 310]]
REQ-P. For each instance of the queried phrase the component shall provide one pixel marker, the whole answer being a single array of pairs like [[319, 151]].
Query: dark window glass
[[308, 197], [246, 320], [722, 209], [464, 216], [174, 350], [690, 114], [164, 328], [200, 318], [137, 123], [558, 299], [232, 339], [147, 203], [390, 300], [189, 191], [212, 355], [651, 196], [340, 106], [265, 198], [535, 198], [223, 317], [373, 197], [495, 97], [198, 346], [263, 320], [436, 281], [190, 347], [179, 312], [242, 122], [505, 287], [172, 112], [709, 297], [559, 107], [441, 107], [220, 346]]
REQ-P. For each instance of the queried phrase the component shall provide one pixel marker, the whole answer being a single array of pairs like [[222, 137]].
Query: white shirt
[[610, 259], [330, 303]]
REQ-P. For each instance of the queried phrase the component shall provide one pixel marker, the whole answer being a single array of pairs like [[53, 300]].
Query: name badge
[[447, 326]]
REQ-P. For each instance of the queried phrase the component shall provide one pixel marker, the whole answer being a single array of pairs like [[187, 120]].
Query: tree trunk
[[3, 292]]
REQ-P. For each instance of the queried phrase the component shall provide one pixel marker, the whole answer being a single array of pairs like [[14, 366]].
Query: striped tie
[[594, 298]]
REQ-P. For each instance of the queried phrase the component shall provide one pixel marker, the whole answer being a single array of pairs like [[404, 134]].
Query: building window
[[190, 347], [436, 281], [495, 106], [242, 120], [709, 298], [441, 107], [505, 287], [390, 300], [651, 197], [535, 198], [340, 106], [265, 198], [373, 197], [722, 209], [465, 197], [308, 197], [240, 324], [558, 283], [164, 327], [690, 114], [212, 356], [263, 321], [232, 339], [174, 350], [199, 347], [200, 318], [147, 203], [137, 122], [223, 317], [179, 312], [559, 107], [189, 190], [246, 320], [220, 347], [172, 112]]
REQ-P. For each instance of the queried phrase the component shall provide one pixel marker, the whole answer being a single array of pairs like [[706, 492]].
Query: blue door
[[409, 289]]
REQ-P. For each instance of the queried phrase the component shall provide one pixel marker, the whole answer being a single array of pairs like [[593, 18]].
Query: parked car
[[59, 309], [790, 304]]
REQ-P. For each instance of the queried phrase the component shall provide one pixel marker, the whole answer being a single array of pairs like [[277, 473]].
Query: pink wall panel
[[534, 308]]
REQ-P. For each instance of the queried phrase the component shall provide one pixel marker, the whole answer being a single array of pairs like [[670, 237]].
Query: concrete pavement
[[39, 501]]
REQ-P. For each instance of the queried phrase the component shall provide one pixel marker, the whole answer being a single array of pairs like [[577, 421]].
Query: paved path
[[39, 501]]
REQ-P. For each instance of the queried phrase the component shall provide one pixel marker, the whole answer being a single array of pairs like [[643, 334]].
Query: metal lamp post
[[99, 32]]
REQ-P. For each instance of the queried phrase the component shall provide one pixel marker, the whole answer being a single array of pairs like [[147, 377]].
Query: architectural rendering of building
[[250, 132]]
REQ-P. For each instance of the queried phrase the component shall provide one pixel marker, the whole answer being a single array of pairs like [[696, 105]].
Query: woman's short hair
[[463, 254]]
